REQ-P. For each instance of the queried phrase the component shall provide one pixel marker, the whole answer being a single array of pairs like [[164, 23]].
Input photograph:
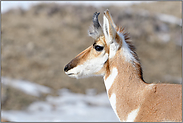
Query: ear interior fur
[[108, 27]]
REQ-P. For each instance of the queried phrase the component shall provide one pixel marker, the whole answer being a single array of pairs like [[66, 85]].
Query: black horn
[[96, 24], [95, 31]]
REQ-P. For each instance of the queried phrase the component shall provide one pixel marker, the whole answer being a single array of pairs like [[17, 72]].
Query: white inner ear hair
[[106, 30]]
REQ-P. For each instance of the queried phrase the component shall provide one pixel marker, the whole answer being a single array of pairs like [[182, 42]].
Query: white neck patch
[[132, 115], [110, 79], [113, 103]]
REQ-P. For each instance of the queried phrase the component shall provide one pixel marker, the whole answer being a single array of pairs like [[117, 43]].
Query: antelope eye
[[98, 48]]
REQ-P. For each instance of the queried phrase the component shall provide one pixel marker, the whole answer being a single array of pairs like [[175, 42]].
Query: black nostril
[[66, 68]]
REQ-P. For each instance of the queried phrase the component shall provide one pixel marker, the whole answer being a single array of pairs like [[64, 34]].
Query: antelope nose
[[69, 66], [66, 68]]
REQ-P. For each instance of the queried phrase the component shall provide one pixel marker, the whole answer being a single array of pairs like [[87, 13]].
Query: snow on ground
[[162, 17], [169, 19], [26, 86], [67, 107]]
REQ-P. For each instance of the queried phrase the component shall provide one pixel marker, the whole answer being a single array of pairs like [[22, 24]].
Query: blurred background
[[39, 38]]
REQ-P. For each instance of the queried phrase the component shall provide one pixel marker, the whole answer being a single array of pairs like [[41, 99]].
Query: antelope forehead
[[101, 40]]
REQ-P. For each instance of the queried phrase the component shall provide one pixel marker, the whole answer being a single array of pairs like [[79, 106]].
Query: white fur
[[150, 86], [132, 115], [113, 49], [110, 79], [89, 67], [106, 28], [109, 39], [113, 102], [127, 53]]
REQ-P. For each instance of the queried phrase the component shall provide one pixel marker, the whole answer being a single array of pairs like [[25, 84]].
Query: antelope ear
[[108, 27]]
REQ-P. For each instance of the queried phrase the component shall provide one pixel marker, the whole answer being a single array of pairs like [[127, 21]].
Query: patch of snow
[[67, 107], [74, 114], [40, 106], [26, 86], [162, 17], [164, 37], [169, 19]]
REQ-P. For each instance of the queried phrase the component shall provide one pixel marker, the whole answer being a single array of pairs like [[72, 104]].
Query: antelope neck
[[125, 83]]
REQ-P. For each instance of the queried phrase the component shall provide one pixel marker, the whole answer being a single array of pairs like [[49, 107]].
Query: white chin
[[72, 75], [78, 75]]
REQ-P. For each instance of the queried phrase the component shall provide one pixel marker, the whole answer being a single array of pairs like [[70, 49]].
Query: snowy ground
[[68, 106]]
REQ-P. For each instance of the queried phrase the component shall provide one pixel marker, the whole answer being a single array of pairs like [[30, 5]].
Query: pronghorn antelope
[[113, 57]]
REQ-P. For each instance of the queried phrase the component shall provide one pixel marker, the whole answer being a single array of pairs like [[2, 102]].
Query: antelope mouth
[[70, 74], [73, 75]]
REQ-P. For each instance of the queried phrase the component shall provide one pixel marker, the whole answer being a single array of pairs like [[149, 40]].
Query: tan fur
[[88, 53], [158, 102], [4, 120], [80, 58], [162, 103]]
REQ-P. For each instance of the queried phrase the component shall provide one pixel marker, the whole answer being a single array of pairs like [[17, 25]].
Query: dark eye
[[98, 48]]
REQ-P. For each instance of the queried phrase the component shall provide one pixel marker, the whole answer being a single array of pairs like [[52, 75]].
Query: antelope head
[[94, 60]]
